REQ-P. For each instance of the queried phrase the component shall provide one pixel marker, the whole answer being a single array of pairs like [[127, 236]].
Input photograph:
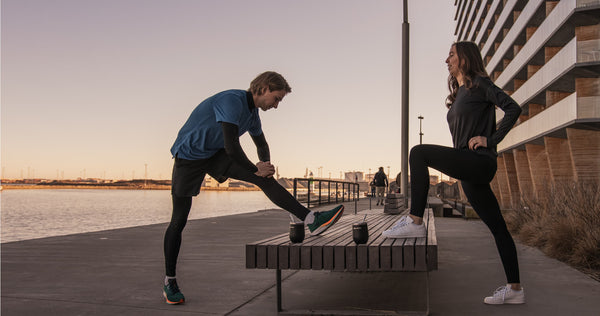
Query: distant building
[[212, 183], [433, 180], [241, 184], [546, 55], [354, 176]]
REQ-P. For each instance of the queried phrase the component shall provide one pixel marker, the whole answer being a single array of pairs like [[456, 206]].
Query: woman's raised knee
[[416, 152]]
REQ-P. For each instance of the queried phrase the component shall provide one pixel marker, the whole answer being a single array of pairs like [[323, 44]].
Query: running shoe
[[324, 220], [172, 293], [506, 295], [405, 228]]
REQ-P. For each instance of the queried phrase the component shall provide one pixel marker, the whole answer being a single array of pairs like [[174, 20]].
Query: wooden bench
[[465, 209], [336, 251]]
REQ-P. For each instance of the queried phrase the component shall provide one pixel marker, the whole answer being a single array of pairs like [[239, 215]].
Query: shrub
[[564, 222]]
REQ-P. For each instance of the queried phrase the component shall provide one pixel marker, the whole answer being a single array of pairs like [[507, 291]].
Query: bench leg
[[278, 279], [427, 289]]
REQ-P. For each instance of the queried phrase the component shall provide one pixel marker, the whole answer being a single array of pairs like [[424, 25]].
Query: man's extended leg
[[317, 222]]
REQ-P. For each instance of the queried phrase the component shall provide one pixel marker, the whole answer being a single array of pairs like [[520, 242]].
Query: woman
[[471, 117]]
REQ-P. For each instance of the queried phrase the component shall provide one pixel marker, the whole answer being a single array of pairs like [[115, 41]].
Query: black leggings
[[475, 170], [182, 205]]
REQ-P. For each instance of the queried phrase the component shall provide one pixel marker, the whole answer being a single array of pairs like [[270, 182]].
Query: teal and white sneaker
[[172, 293], [324, 220]]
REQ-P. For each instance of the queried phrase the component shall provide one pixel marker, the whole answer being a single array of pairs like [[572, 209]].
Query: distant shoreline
[[114, 187]]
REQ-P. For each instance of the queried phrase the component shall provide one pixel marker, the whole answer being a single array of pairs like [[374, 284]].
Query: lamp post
[[420, 129], [404, 111]]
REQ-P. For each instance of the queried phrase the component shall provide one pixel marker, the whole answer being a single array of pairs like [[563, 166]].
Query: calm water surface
[[28, 214]]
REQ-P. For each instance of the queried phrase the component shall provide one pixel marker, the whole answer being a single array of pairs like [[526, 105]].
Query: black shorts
[[188, 174]]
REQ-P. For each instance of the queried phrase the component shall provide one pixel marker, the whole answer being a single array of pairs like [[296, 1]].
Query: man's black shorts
[[189, 174]]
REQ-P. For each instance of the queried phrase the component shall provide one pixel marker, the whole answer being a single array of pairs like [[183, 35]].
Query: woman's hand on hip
[[477, 141]]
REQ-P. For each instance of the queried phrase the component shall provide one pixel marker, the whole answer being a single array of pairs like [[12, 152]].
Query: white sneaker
[[506, 295], [399, 222], [405, 228]]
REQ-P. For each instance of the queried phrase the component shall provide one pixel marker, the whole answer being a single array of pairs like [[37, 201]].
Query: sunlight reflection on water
[[28, 214]]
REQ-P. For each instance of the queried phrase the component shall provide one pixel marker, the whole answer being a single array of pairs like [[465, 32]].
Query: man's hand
[[265, 169], [477, 141]]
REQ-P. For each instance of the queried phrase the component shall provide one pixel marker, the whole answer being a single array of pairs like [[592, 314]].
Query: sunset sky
[[101, 88]]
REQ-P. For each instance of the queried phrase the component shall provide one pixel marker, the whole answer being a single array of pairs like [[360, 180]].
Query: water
[[29, 214]]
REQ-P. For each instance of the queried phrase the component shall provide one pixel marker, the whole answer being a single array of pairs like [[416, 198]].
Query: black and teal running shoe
[[172, 293], [324, 220]]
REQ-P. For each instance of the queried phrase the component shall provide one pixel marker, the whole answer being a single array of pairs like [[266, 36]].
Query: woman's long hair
[[470, 64]]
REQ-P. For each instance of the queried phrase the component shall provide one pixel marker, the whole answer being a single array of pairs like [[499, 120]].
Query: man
[[209, 143], [381, 182]]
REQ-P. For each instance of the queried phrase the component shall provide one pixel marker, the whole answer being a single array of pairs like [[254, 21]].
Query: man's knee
[[181, 201], [263, 182]]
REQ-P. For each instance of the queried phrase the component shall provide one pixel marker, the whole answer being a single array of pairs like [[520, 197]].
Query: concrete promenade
[[120, 272]]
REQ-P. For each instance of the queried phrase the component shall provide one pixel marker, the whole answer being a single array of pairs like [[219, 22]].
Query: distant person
[[209, 143], [372, 185], [381, 182], [472, 120]]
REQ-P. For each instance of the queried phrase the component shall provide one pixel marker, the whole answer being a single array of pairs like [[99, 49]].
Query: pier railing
[[322, 191]]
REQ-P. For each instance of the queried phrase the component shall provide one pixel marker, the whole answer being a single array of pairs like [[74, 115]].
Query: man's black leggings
[[476, 171], [182, 205]]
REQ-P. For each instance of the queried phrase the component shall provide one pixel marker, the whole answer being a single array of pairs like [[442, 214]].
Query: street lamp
[[404, 108]]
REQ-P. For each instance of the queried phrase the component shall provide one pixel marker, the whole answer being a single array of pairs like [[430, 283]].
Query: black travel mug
[[296, 232], [360, 233]]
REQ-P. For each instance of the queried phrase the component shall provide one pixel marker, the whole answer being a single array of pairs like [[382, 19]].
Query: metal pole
[[420, 129], [404, 130], [308, 195], [278, 281], [328, 191], [355, 198], [295, 187], [319, 192]]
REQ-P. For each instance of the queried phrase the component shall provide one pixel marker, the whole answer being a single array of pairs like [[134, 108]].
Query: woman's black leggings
[[182, 205], [476, 171]]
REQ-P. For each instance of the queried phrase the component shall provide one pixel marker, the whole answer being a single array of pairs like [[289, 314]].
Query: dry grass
[[564, 223]]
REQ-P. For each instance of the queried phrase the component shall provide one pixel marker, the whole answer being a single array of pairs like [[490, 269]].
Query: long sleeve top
[[473, 114]]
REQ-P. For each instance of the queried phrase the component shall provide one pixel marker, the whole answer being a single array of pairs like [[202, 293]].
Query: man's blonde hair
[[271, 80]]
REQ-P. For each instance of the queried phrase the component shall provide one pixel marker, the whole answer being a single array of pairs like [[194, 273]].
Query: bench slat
[[432, 257], [420, 254], [352, 256], [250, 256], [375, 250], [362, 251], [319, 255], [314, 246]]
